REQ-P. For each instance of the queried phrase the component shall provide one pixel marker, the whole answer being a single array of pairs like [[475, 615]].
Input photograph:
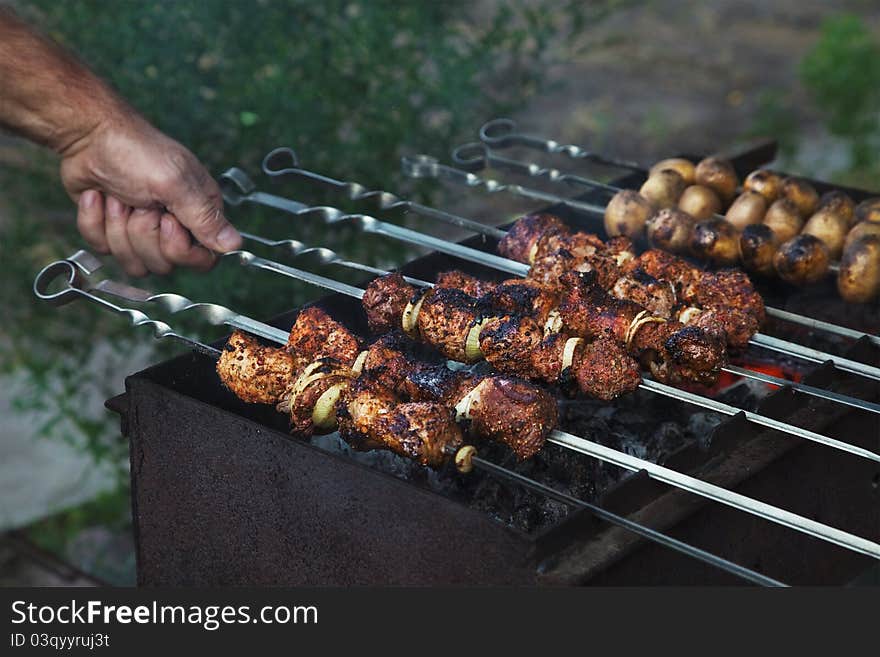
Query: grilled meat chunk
[[730, 288], [520, 296], [384, 301], [666, 267], [445, 320], [507, 410], [580, 245], [508, 342], [604, 370], [687, 353], [370, 416], [316, 335], [253, 372], [521, 241], [734, 326], [645, 290], [465, 282], [311, 397]]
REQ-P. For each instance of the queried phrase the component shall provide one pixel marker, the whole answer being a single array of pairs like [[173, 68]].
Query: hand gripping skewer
[[296, 249], [76, 272], [629, 462], [238, 188]]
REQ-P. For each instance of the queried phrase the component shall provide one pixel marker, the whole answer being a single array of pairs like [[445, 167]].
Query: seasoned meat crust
[[510, 411], [508, 343], [606, 371], [445, 319], [370, 416], [645, 290], [384, 301], [255, 373], [521, 241], [316, 335], [520, 296], [300, 400], [465, 282]]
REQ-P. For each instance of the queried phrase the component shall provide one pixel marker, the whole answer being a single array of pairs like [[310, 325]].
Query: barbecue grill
[[770, 486]]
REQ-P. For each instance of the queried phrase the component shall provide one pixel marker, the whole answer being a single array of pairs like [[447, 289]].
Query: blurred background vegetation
[[352, 86]]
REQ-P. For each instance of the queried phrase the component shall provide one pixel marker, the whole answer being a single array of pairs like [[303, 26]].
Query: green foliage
[[350, 85], [842, 73]]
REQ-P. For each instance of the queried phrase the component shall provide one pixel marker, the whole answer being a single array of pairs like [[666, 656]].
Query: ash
[[643, 424]]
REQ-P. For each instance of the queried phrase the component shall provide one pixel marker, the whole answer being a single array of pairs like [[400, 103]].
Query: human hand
[[143, 197]]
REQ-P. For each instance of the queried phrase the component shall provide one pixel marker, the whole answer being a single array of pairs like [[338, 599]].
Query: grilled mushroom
[[748, 208], [840, 204], [802, 194], [663, 188], [670, 229], [860, 230], [858, 280], [719, 175], [784, 218], [766, 183], [716, 240], [700, 202], [684, 168], [868, 210], [829, 227], [626, 214], [757, 245], [802, 260]]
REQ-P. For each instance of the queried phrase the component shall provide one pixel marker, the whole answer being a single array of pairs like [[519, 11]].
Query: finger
[[177, 246], [194, 198], [90, 220], [143, 235], [116, 219]]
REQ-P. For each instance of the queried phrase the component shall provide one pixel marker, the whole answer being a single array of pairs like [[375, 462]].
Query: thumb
[[197, 203]]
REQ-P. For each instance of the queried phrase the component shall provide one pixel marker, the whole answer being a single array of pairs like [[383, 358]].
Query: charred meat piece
[[253, 372], [311, 397], [549, 269], [587, 310], [730, 288], [316, 335], [508, 411], [605, 371], [580, 245], [520, 296], [445, 319], [645, 290], [734, 326], [521, 241], [370, 416], [676, 353], [465, 282], [666, 267], [384, 301], [508, 342]]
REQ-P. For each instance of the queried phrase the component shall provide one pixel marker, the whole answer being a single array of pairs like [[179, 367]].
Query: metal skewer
[[501, 133], [77, 269], [423, 166], [296, 249], [247, 258], [236, 185], [621, 459], [620, 521], [81, 264]]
